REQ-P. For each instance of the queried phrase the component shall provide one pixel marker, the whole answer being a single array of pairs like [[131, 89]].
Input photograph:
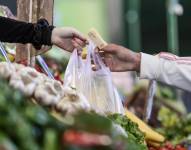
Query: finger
[[76, 45], [80, 42], [77, 34], [106, 48], [110, 48], [94, 67], [103, 59], [96, 50], [79, 52], [102, 53]]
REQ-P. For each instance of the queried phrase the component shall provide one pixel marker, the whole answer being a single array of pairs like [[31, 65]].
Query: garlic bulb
[[72, 102], [6, 70], [18, 66], [49, 92], [26, 80]]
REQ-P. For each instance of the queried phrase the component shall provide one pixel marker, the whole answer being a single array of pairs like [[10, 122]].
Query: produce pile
[[173, 124], [27, 126], [24, 125], [130, 127], [169, 146], [51, 94], [43, 90], [176, 129]]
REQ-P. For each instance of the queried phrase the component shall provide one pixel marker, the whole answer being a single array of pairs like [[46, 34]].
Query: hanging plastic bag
[[102, 93], [74, 72], [96, 85]]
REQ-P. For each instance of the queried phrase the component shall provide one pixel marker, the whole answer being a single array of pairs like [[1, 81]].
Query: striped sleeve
[[167, 68]]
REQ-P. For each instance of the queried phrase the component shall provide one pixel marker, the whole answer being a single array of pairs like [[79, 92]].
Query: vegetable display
[[169, 146], [45, 91], [27, 126], [150, 135], [175, 128], [130, 127]]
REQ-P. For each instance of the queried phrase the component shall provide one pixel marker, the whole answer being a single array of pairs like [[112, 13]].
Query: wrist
[[137, 62], [53, 36]]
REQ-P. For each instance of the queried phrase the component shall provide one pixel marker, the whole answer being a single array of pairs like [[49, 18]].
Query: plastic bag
[[149, 104], [96, 86], [74, 72]]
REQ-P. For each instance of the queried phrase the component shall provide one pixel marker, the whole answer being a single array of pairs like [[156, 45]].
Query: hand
[[120, 59], [68, 38]]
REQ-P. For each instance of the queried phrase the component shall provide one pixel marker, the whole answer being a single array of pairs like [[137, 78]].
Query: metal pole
[[133, 20], [174, 9], [172, 27]]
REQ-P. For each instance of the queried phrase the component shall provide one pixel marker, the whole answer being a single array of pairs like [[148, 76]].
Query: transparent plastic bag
[[73, 85], [96, 86], [103, 94], [149, 103], [74, 72]]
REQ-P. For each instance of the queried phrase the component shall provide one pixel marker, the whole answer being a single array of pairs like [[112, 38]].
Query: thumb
[[79, 35], [76, 34], [110, 48]]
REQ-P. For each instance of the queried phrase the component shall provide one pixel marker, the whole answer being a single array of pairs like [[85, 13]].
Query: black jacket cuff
[[42, 34]]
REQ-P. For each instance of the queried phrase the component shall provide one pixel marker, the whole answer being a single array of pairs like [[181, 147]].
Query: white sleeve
[[167, 68]]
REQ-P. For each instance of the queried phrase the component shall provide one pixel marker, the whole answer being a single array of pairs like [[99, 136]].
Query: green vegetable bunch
[[23, 125], [26, 126], [175, 128], [130, 127]]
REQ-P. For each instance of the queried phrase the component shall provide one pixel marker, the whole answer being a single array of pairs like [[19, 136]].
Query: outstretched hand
[[68, 38], [120, 59]]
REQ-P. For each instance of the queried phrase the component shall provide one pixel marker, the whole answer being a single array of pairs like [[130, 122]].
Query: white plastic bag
[[149, 103], [74, 72], [103, 94], [96, 86], [74, 98]]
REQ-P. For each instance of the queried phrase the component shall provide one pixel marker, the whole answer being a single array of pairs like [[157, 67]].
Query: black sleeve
[[13, 31]]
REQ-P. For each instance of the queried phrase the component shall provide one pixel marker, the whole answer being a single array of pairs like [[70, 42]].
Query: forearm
[[20, 32], [167, 68]]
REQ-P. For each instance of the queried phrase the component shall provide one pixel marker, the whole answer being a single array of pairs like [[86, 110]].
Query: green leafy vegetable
[[175, 128], [130, 127], [26, 126]]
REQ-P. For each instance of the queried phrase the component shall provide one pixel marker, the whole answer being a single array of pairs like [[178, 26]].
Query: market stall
[[39, 110]]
